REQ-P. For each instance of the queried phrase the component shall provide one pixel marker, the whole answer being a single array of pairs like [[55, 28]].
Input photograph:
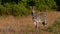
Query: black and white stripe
[[38, 18]]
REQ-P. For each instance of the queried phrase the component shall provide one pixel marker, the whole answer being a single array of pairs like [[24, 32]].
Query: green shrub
[[45, 4], [4, 10], [56, 24], [19, 10], [14, 9], [54, 27]]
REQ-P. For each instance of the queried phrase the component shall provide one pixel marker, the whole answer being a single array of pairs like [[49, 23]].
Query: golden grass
[[24, 25]]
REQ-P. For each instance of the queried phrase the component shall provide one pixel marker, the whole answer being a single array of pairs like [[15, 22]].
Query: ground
[[24, 25]]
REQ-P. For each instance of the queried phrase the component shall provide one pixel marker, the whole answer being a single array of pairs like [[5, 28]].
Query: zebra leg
[[36, 25]]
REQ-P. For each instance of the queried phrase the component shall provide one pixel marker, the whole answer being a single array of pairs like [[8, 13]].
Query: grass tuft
[[54, 28]]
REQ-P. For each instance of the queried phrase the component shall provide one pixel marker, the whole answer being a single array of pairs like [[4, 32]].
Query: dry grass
[[24, 25]]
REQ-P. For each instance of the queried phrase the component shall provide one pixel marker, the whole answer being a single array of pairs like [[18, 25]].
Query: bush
[[4, 10], [19, 10], [14, 9], [45, 4], [55, 26]]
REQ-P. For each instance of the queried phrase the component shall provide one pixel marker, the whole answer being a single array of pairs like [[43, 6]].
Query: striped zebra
[[38, 18]]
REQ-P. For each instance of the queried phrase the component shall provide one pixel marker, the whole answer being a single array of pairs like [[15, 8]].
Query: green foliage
[[55, 26], [45, 4], [50, 29], [58, 4], [1, 7], [20, 7], [10, 1], [31, 3], [19, 10], [14, 9]]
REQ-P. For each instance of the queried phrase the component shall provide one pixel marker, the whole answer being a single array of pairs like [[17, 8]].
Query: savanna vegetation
[[21, 7], [54, 28]]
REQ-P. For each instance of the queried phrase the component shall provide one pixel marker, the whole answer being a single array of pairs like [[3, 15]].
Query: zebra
[[38, 18]]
